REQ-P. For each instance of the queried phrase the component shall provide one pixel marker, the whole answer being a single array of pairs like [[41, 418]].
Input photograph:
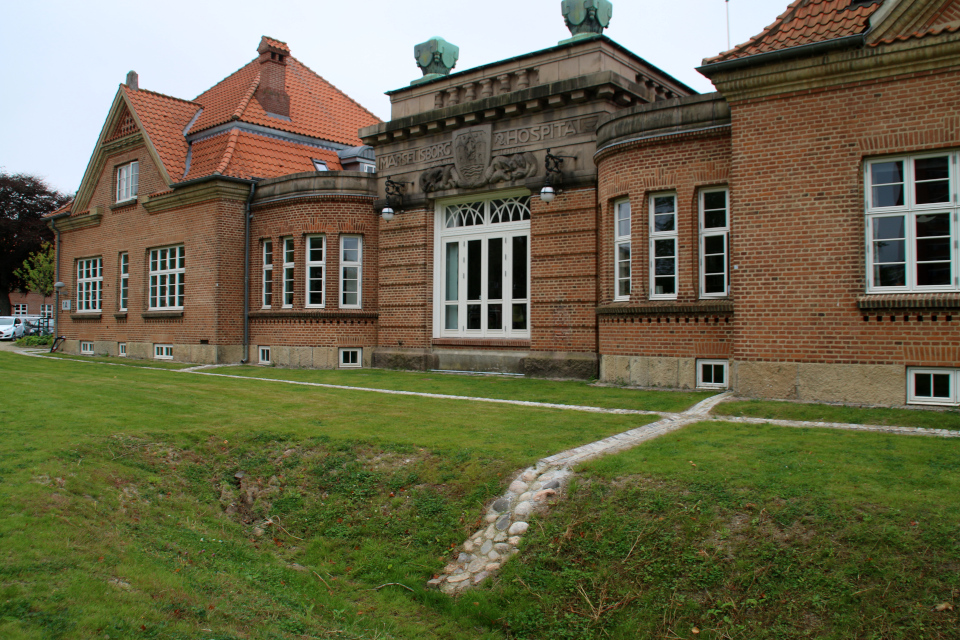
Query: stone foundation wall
[[643, 371]]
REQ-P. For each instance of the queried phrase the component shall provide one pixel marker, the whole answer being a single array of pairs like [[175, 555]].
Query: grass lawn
[[137, 503], [750, 532], [117, 485], [772, 410], [501, 387], [130, 362]]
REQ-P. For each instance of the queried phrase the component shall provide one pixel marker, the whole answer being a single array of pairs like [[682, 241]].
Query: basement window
[[163, 351], [932, 386], [264, 355], [122, 349], [351, 358], [86, 348], [712, 374]]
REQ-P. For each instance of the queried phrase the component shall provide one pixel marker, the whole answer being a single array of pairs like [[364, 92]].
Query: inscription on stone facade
[[422, 155], [546, 132]]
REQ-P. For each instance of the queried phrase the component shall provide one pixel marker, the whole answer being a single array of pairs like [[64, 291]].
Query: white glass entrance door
[[483, 274]]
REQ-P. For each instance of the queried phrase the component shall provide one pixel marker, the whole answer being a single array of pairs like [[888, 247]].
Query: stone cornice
[[327, 185], [883, 62], [909, 301], [196, 193], [90, 219], [603, 85]]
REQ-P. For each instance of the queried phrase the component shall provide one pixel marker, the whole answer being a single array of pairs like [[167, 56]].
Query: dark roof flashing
[[855, 41]]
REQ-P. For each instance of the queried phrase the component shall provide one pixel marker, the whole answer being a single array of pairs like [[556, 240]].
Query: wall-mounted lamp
[[554, 166], [395, 191]]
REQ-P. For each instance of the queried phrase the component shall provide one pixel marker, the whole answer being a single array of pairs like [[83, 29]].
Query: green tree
[[24, 201], [39, 270]]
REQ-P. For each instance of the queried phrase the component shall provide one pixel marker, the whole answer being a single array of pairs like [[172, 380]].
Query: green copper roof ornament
[[586, 18], [435, 57]]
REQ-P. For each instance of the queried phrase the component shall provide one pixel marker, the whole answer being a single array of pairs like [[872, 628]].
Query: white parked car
[[11, 328]]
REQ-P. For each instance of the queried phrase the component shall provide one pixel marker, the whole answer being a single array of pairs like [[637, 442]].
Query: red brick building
[[794, 235]]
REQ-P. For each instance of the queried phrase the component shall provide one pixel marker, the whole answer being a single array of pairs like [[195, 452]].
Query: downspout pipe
[[247, 219]]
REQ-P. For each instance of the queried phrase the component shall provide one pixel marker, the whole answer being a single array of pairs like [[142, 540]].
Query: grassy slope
[[750, 532], [772, 410], [117, 474]]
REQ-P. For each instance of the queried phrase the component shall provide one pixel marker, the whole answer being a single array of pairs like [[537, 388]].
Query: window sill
[[480, 342], [879, 301], [121, 315], [86, 316], [126, 203], [161, 315], [660, 307]]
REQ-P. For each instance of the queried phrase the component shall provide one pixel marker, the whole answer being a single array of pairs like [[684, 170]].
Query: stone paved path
[[507, 520]]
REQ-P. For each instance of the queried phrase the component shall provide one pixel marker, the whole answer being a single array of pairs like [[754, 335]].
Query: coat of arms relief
[[473, 165]]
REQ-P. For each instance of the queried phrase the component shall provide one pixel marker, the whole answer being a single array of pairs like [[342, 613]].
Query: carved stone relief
[[473, 167]]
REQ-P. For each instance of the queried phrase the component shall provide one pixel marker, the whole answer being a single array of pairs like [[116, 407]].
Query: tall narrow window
[[128, 179], [714, 243], [316, 263], [267, 273], [46, 311], [912, 224], [663, 246], [89, 285], [124, 280], [622, 250], [167, 278], [351, 259], [288, 270]]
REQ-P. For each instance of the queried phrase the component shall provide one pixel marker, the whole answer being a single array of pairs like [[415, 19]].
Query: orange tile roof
[[806, 22], [317, 108], [276, 44], [164, 119], [242, 154]]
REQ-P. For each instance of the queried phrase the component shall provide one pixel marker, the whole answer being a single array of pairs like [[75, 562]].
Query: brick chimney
[[272, 91]]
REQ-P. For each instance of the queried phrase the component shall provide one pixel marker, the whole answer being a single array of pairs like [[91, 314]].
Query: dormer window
[[319, 165], [128, 178]]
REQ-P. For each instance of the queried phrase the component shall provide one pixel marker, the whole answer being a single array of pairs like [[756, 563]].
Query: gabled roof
[[248, 143], [317, 108], [806, 22]]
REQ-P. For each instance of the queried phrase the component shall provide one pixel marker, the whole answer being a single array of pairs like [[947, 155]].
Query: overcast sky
[[63, 59]]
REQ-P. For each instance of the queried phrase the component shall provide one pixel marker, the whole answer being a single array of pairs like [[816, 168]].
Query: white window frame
[[163, 278], [910, 211], [357, 355], [487, 223], [345, 264], [714, 232], [701, 384], [128, 181], [87, 348], [660, 236], [319, 165], [310, 266], [163, 352], [124, 293], [264, 355], [89, 285], [952, 401], [46, 311], [289, 248], [122, 349], [21, 310], [622, 213], [266, 292]]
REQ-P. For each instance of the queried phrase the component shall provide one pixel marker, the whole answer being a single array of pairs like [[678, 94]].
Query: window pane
[[452, 320], [714, 219], [665, 286], [623, 261], [933, 192], [941, 385], [933, 274], [351, 249], [714, 264], [495, 269], [520, 317], [931, 250], [932, 180], [664, 248], [714, 245], [662, 223], [495, 317], [887, 172], [663, 204], [473, 316], [936, 225], [923, 385], [453, 264], [316, 250], [520, 273], [715, 200], [889, 251], [350, 279], [715, 284], [892, 275], [623, 219], [474, 269], [888, 196], [707, 373]]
